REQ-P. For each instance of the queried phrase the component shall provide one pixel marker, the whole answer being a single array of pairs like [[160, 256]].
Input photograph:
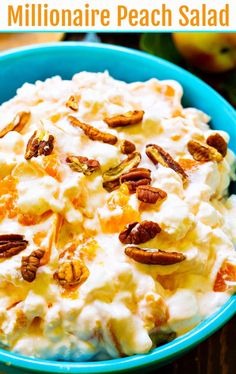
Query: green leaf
[[162, 45]]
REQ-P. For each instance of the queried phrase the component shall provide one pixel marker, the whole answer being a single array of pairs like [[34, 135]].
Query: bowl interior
[[66, 59]]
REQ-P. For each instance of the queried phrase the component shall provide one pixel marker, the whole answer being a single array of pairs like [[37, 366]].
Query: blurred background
[[211, 56]]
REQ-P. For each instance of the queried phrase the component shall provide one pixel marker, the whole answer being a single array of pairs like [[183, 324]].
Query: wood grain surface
[[216, 355]]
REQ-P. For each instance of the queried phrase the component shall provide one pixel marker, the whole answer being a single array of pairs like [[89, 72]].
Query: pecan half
[[11, 237], [17, 124], [92, 132], [73, 103], [154, 257], [150, 195], [135, 174], [137, 233], [133, 185], [203, 152], [217, 141], [159, 155], [127, 147], [71, 274], [30, 265], [136, 177], [111, 178], [122, 120], [11, 245], [111, 185], [40, 143], [83, 164]]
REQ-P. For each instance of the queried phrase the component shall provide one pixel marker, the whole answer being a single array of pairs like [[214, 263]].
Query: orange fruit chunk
[[116, 223], [188, 164], [119, 197], [28, 219], [55, 117], [52, 166], [39, 236], [89, 250], [8, 197], [227, 273], [169, 91], [78, 203], [177, 113]]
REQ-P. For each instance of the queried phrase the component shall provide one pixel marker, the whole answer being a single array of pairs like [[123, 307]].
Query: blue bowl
[[40, 62]]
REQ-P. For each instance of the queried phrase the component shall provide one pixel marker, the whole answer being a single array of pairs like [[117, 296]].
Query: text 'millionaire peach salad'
[[117, 232]]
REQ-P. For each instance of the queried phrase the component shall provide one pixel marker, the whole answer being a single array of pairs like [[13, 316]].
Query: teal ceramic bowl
[[65, 59]]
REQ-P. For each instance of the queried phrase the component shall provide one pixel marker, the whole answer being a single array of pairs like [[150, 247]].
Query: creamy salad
[[117, 233]]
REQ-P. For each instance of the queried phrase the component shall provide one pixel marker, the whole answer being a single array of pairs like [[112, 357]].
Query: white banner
[[117, 15]]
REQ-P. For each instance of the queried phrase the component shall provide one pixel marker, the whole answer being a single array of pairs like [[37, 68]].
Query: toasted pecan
[[83, 164], [203, 152], [136, 177], [139, 232], [32, 147], [40, 143], [30, 265], [150, 195], [133, 185], [111, 185], [71, 273], [122, 120], [11, 237], [135, 174], [92, 132], [73, 103], [217, 141], [159, 155], [127, 147], [18, 123], [154, 257], [111, 178], [11, 245]]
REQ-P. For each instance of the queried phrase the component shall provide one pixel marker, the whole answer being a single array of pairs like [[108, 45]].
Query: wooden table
[[217, 355]]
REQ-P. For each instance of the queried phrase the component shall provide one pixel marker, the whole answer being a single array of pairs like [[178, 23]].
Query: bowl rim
[[19, 51], [182, 343], [158, 355]]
